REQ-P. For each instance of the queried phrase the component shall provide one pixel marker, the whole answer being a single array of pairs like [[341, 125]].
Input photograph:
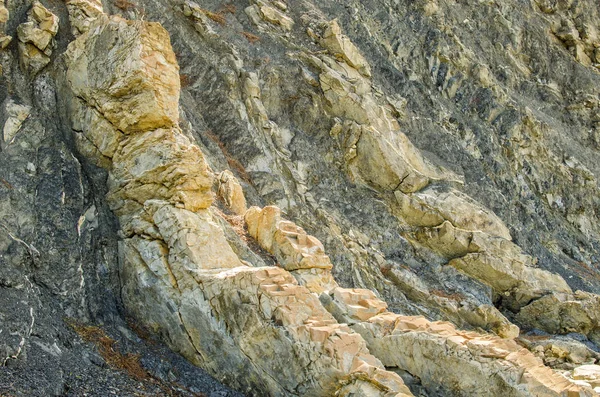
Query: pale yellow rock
[[360, 304], [274, 16], [193, 238], [588, 373], [433, 205], [404, 342], [176, 258], [562, 313], [375, 149], [32, 58], [29, 32], [142, 66], [495, 261], [97, 130], [510, 274], [340, 353], [202, 22], [317, 281], [291, 245], [36, 37], [341, 46], [161, 164], [4, 14], [4, 41], [16, 115], [232, 193], [83, 14]]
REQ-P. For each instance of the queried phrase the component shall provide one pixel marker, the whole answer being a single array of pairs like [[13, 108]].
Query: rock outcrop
[[278, 334], [352, 198]]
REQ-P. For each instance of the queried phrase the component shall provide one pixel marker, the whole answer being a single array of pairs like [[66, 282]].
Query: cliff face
[[301, 198]]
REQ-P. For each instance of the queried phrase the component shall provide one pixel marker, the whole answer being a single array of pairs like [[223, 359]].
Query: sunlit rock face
[[311, 198]]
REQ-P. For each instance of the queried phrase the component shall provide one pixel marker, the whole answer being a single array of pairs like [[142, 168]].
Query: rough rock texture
[[404, 162], [36, 38]]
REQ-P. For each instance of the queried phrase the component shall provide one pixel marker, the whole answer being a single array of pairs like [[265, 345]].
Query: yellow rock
[[341, 46], [231, 192], [137, 89]]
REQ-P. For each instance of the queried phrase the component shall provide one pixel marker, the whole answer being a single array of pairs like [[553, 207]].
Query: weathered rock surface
[[564, 313], [159, 186], [403, 162], [36, 38]]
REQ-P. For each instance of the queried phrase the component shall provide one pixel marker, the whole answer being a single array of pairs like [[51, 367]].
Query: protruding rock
[[563, 313], [589, 374], [4, 14], [291, 245], [36, 37], [433, 205], [161, 164], [140, 64], [341, 46], [231, 192], [4, 41], [83, 13], [504, 367], [17, 114], [263, 10]]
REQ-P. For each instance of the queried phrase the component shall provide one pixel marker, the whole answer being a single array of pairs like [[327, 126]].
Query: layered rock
[[271, 12], [564, 313], [231, 192], [159, 186], [425, 349]]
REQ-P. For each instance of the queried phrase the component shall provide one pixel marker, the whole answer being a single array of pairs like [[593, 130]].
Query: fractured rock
[[341, 46], [17, 114], [563, 313], [176, 258], [231, 192], [83, 13], [4, 14], [431, 206], [271, 14], [36, 37], [137, 89], [291, 245]]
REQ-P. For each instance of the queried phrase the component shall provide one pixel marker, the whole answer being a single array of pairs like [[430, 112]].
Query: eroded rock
[[231, 192], [563, 313], [36, 37], [276, 332], [16, 115]]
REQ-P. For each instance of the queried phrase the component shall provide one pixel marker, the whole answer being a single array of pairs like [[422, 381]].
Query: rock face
[[292, 195], [159, 186]]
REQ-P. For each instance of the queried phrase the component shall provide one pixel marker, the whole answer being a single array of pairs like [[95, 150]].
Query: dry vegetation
[[232, 162], [443, 294], [237, 224], [184, 80], [252, 38], [124, 5], [128, 363], [228, 8], [218, 17]]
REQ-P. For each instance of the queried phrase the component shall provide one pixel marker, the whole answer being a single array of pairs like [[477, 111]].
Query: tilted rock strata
[[474, 240], [231, 192], [564, 313], [425, 349], [159, 186]]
